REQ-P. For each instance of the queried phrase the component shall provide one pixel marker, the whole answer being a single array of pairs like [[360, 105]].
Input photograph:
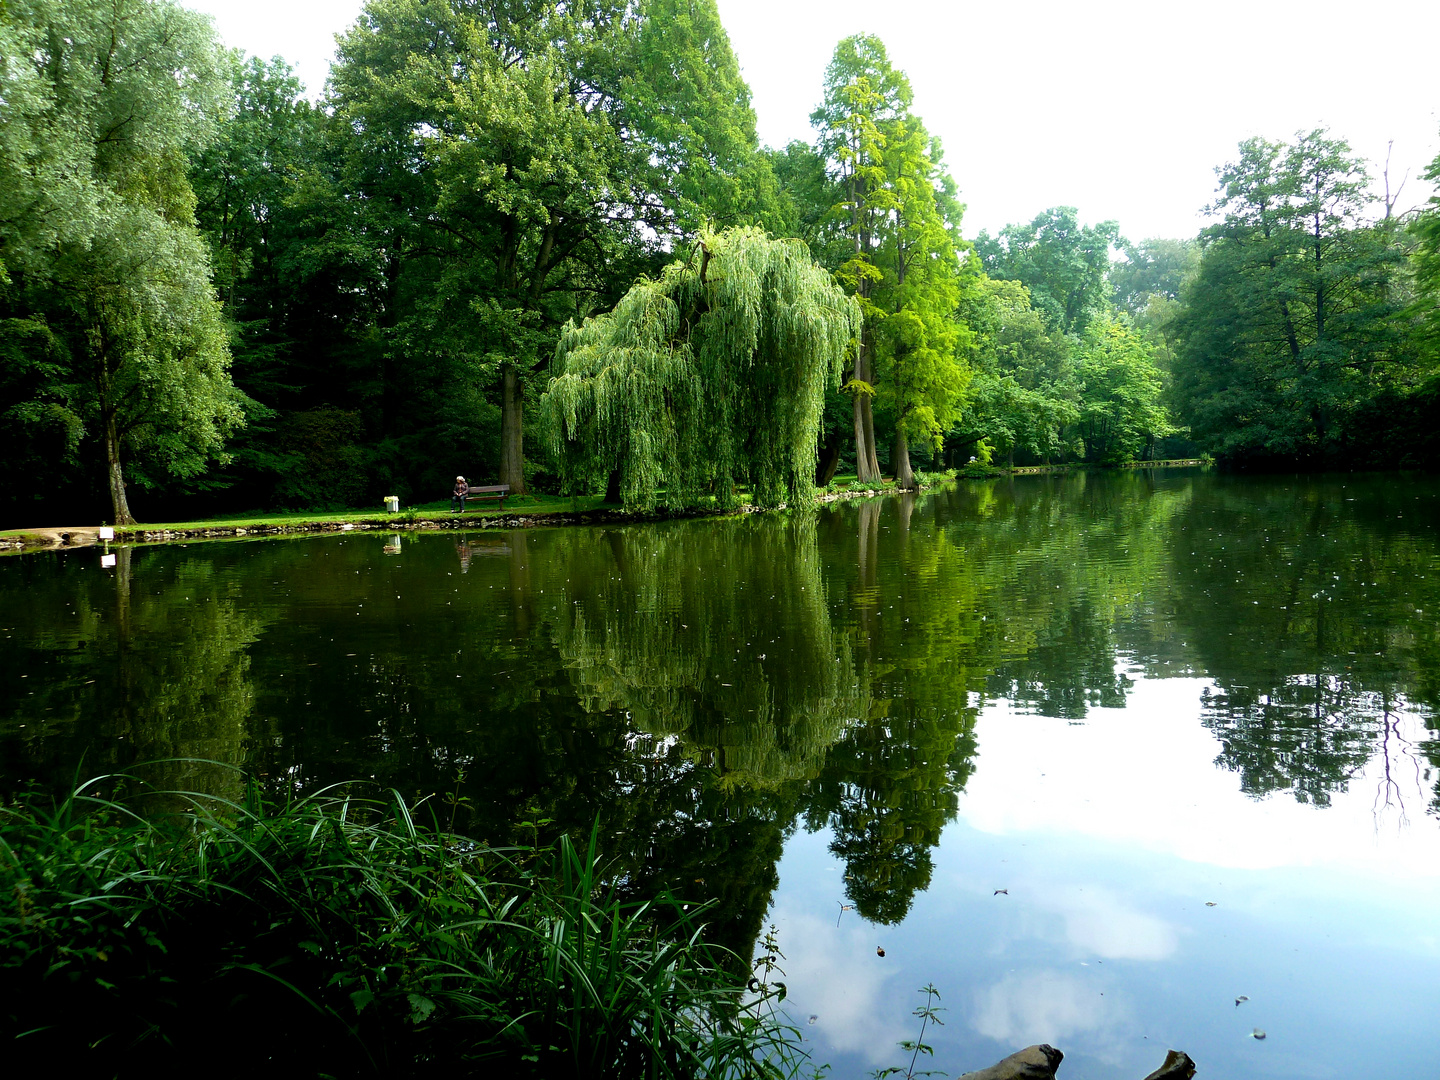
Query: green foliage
[[1026, 394], [328, 464], [1061, 262], [1291, 322], [712, 374], [1426, 262], [1121, 414], [1151, 269], [525, 166], [350, 939], [895, 223], [927, 1014], [103, 102]]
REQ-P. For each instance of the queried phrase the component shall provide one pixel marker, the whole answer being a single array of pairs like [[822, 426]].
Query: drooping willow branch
[[703, 379]]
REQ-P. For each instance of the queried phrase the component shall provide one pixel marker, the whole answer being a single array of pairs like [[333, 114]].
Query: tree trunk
[[122, 595], [119, 504], [867, 465], [512, 444], [612, 487], [829, 459], [862, 447], [874, 461], [900, 460], [906, 512]]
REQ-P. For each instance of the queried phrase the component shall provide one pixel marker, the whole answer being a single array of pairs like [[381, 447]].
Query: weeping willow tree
[[712, 375]]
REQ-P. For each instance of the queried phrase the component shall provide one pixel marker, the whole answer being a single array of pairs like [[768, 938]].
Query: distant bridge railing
[[1168, 463]]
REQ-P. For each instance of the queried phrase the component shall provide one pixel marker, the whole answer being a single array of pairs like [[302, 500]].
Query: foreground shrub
[[338, 937]]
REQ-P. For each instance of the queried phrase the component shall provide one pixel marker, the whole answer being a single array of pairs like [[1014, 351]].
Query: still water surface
[[1186, 722]]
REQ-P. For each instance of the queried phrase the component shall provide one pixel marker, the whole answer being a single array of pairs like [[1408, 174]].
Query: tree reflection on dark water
[[702, 688]]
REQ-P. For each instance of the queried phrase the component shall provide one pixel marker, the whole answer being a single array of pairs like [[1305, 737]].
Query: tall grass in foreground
[[339, 936]]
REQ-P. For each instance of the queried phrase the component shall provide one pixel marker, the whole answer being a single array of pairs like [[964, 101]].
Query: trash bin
[[392, 504]]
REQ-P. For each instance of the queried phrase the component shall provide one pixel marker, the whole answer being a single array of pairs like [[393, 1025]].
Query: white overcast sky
[[1120, 108]]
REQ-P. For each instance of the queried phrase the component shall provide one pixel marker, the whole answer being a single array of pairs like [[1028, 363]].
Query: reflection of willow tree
[[715, 632], [714, 640], [152, 668], [1301, 600]]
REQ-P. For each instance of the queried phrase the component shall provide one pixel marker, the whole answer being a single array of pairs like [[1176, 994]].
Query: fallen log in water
[[1039, 1062], [1177, 1066]]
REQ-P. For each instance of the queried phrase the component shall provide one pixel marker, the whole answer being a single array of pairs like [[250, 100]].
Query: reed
[[345, 936]]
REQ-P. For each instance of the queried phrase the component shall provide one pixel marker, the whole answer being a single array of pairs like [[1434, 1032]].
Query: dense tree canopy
[[1291, 322], [394, 265], [112, 332], [1061, 262], [713, 373]]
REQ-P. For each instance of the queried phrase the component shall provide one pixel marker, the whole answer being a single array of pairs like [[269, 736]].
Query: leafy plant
[[347, 937], [927, 1014]]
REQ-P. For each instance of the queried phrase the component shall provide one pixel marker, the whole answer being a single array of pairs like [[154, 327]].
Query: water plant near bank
[[346, 936]]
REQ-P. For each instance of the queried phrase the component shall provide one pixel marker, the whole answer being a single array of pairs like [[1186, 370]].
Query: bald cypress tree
[[713, 374]]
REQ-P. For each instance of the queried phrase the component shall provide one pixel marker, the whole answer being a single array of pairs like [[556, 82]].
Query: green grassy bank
[[521, 509], [517, 509]]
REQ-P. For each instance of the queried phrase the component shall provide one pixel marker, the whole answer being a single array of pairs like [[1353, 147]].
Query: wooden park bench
[[493, 491]]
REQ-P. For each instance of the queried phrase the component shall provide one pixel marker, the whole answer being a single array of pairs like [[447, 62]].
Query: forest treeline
[[217, 295]]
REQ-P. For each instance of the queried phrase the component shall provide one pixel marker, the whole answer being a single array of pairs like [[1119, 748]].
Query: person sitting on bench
[[457, 497]]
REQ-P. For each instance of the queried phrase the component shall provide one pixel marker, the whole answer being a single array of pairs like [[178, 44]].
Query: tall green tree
[[898, 219], [862, 92], [1291, 321], [1122, 415], [1426, 263], [518, 162], [1061, 262], [297, 282], [713, 374], [921, 341], [1025, 395], [110, 281]]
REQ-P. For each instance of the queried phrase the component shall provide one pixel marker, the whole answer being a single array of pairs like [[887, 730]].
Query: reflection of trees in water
[[888, 789], [713, 642], [1309, 736], [719, 634], [1068, 562], [891, 782], [151, 668], [1302, 600], [698, 686]]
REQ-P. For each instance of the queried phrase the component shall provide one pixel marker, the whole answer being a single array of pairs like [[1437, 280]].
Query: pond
[[1115, 761]]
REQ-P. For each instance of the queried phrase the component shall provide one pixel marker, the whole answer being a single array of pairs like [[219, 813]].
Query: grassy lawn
[[438, 511]]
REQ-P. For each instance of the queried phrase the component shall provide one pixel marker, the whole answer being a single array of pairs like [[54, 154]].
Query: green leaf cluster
[[1293, 320], [711, 375], [111, 327], [352, 937]]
